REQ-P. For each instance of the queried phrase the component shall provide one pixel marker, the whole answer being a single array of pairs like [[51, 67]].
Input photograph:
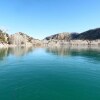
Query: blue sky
[[40, 18]]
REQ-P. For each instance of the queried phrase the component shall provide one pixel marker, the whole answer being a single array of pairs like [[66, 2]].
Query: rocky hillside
[[90, 37], [18, 39], [63, 36], [93, 34], [23, 39], [59, 36]]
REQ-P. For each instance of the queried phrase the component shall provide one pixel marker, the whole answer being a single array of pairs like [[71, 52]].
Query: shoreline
[[71, 43], [56, 42]]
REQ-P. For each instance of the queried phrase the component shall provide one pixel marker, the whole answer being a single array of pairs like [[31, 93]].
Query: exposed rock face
[[22, 39], [63, 36], [18, 39], [59, 36]]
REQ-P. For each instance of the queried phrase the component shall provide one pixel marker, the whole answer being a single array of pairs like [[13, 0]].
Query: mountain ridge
[[91, 34]]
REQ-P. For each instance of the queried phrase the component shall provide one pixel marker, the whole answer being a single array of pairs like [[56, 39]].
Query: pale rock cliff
[[23, 39]]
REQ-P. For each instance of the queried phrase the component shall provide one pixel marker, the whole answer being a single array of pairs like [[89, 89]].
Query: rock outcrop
[[23, 39], [20, 39], [59, 36]]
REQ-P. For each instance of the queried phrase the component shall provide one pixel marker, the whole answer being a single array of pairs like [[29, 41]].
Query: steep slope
[[90, 34]]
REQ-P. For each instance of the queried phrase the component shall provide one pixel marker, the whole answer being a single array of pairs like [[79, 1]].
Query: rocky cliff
[[21, 39]]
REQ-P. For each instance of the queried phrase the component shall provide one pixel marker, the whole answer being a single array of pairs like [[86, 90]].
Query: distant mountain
[[92, 34], [59, 36]]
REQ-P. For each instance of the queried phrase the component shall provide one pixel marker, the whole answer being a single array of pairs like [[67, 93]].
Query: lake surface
[[49, 73]]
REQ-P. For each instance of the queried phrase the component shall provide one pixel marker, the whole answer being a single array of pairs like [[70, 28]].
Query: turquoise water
[[49, 74]]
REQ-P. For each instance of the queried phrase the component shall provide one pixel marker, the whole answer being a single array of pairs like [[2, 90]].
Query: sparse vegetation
[[3, 37]]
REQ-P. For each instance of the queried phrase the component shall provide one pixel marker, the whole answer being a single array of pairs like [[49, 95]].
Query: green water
[[49, 74]]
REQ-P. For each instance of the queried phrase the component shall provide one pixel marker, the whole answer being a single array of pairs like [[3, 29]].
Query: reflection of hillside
[[16, 51], [58, 51], [3, 53], [93, 54], [20, 51]]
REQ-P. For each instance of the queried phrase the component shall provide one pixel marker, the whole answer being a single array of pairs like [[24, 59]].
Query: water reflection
[[88, 52], [3, 53], [20, 51], [16, 51]]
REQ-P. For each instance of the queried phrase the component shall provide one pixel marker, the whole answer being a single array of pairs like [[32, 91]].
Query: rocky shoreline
[[72, 43]]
